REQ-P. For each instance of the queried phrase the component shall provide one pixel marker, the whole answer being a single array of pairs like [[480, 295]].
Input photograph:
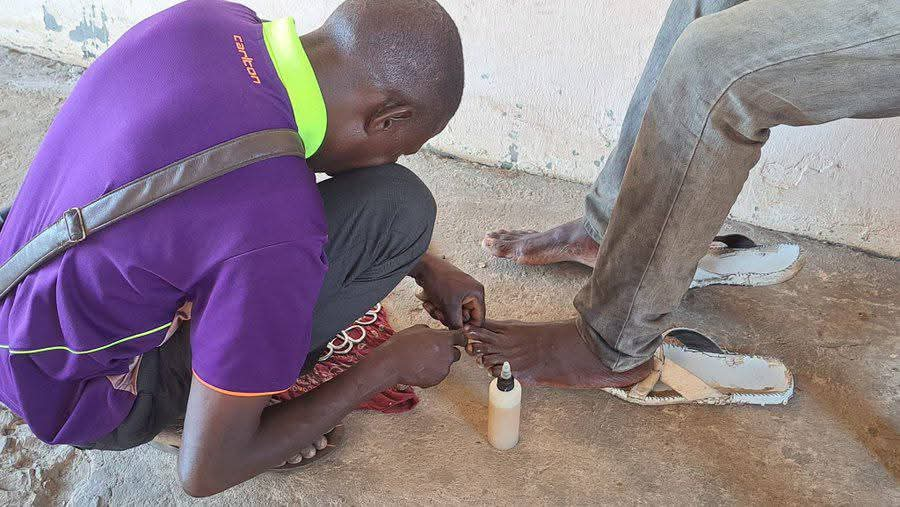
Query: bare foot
[[546, 354], [172, 437], [309, 451], [568, 242]]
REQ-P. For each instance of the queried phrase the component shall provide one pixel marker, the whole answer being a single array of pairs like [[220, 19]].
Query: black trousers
[[380, 221]]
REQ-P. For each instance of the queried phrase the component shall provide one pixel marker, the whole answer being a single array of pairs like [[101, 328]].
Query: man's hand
[[422, 356], [228, 439], [449, 294]]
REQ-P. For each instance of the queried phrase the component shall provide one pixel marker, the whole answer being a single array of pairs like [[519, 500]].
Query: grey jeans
[[720, 75]]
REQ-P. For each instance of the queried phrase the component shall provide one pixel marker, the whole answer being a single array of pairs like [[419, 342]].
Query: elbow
[[198, 488], [199, 481], [196, 491]]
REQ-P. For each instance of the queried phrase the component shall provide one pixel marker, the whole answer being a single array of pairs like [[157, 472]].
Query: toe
[[492, 360], [480, 335], [293, 460], [321, 443], [496, 248], [308, 452], [478, 348]]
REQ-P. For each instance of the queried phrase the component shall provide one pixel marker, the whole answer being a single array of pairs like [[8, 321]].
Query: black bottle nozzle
[[506, 382]]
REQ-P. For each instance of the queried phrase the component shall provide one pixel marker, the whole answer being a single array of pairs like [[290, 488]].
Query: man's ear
[[388, 117]]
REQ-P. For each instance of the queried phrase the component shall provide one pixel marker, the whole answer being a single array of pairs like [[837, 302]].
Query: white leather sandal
[[689, 367], [736, 260]]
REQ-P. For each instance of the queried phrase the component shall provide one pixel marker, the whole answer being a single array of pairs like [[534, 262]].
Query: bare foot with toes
[[568, 242], [545, 354]]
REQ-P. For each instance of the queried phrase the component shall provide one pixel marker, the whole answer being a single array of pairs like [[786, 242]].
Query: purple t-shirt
[[245, 249]]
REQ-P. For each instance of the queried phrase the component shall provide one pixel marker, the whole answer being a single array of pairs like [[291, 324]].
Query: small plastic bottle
[[504, 409]]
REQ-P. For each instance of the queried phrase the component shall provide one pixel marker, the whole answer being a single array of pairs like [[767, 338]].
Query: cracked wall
[[547, 101]]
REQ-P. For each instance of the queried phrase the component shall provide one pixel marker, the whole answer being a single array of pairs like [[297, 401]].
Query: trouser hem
[[613, 359]]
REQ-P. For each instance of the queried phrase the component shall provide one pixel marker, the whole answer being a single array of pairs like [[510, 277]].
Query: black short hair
[[411, 49]]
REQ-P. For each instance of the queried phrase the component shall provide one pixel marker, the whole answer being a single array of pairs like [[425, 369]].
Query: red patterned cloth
[[345, 350]]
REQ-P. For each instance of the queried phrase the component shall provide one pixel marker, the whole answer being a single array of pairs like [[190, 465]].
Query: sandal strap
[[686, 383], [735, 241], [693, 339], [676, 377], [643, 388]]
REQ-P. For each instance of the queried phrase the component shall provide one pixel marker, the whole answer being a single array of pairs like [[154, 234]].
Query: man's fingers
[[476, 309], [433, 312], [458, 338], [482, 335], [454, 316]]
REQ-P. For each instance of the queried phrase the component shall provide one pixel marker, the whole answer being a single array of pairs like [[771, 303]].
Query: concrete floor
[[835, 325]]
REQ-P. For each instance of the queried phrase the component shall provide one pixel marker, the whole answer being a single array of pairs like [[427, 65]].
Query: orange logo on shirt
[[245, 59]]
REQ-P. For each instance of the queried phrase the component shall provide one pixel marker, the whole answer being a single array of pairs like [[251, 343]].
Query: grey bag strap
[[77, 224]]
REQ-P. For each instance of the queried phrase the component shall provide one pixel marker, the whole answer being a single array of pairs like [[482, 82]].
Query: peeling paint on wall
[[92, 32], [50, 21], [513, 153], [89, 29], [784, 176]]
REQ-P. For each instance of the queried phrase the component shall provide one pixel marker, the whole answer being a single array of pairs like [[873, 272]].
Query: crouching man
[[258, 264]]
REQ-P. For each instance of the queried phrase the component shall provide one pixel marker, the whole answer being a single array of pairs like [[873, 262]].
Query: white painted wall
[[547, 85]]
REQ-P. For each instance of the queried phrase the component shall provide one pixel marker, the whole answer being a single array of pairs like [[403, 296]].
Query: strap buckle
[[75, 225]]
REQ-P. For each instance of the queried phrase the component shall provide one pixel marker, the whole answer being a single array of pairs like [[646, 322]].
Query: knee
[[406, 194], [703, 54], [709, 67], [403, 200]]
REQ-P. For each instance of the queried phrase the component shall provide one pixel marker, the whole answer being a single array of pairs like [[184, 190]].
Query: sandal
[[736, 260], [689, 367]]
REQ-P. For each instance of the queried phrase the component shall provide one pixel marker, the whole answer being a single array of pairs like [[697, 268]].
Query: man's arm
[[448, 293], [229, 439]]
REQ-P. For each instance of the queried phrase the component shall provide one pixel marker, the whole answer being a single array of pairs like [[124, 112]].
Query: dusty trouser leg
[[602, 196], [730, 78], [380, 221]]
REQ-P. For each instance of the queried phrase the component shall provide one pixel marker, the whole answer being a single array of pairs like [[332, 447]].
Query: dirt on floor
[[835, 325]]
